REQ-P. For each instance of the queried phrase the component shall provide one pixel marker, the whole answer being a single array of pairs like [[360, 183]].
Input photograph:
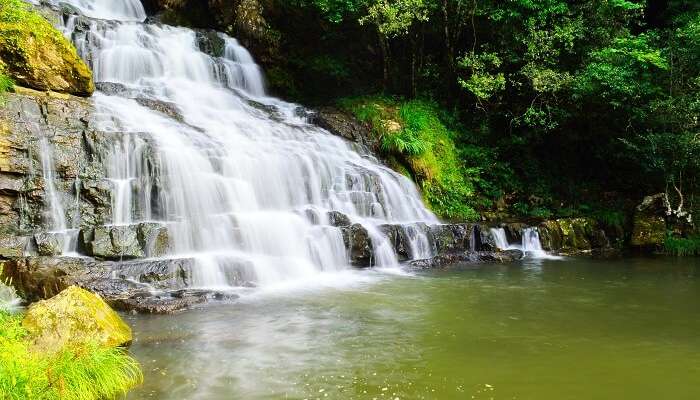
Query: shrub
[[679, 246]]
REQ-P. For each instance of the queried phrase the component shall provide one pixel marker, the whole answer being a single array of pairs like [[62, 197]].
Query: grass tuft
[[85, 373], [678, 246]]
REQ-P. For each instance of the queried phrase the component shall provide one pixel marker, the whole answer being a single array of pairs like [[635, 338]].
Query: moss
[[75, 316], [35, 54], [86, 372], [415, 140]]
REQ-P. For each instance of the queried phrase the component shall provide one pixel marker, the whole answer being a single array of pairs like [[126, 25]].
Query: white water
[[9, 300], [244, 194], [530, 243]]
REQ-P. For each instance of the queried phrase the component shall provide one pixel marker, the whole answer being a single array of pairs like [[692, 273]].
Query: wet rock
[[38, 278], [514, 231], [359, 245], [49, 243], [154, 239], [398, 239], [160, 274], [113, 89], [338, 219], [448, 260], [209, 42], [164, 304], [112, 242], [75, 317], [163, 107], [451, 238], [344, 125], [13, 246], [550, 235]]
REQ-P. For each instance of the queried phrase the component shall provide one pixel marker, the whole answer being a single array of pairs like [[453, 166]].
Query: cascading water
[[499, 236], [530, 243], [243, 192]]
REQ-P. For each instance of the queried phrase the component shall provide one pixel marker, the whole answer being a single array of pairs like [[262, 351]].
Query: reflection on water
[[578, 329]]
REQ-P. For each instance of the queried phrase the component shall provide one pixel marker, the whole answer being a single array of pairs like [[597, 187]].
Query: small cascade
[[530, 243], [9, 301], [419, 243], [241, 181], [500, 238], [54, 207]]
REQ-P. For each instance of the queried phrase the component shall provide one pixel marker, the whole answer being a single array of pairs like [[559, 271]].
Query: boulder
[[75, 317], [154, 239], [648, 231], [38, 278], [345, 125], [12, 246], [649, 224], [112, 242], [550, 235], [359, 245], [338, 219], [209, 42], [37, 55], [49, 243]]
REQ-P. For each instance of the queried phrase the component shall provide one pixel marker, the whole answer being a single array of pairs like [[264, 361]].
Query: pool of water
[[572, 329]]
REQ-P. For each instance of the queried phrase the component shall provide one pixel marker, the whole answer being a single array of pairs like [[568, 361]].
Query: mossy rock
[[648, 231], [35, 54], [75, 317]]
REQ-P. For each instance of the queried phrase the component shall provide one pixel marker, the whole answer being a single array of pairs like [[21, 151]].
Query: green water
[[574, 329]]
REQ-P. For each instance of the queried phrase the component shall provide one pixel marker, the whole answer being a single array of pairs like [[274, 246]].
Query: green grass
[[6, 83], [85, 373], [677, 246], [414, 139]]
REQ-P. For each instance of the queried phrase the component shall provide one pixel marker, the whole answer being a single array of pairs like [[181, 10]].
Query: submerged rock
[[75, 317]]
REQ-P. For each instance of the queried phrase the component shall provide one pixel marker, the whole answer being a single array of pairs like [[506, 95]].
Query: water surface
[[573, 329]]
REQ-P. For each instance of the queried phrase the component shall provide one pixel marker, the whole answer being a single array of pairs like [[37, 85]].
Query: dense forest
[[555, 107]]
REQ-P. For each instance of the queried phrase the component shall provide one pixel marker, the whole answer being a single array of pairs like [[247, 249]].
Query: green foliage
[[414, 133], [623, 73], [84, 373], [482, 83], [678, 246], [6, 83], [395, 17]]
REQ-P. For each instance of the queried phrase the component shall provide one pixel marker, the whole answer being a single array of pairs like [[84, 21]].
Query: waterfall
[[242, 181], [499, 236]]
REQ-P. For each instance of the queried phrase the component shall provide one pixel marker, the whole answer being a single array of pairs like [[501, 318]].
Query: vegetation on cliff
[[35, 54]]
